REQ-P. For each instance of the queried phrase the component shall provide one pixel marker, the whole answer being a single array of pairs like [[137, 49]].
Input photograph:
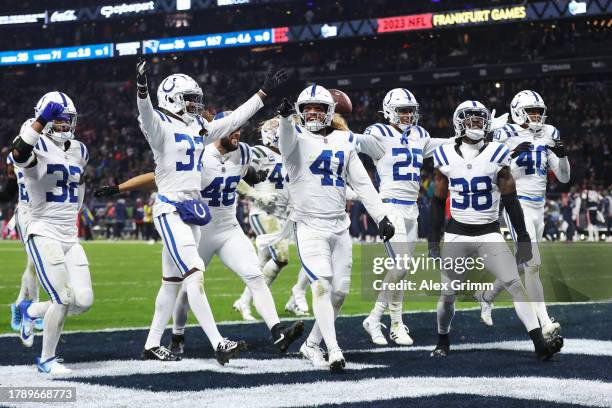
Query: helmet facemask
[[61, 131], [318, 119], [473, 123], [191, 105], [534, 117], [404, 116]]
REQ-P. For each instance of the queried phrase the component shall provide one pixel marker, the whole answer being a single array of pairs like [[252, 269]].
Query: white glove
[[499, 122]]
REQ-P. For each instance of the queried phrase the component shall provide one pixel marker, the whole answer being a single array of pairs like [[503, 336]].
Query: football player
[[398, 162], [177, 148], [536, 149], [52, 162], [319, 160], [29, 284], [477, 174]]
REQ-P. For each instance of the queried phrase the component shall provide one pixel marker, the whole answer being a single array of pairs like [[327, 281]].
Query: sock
[[264, 303], [443, 339], [395, 311], [535, 291], [378, 310], [270, 271], [38, 309], [522, 306], [324, 313], [247, 297], [164, 304], [198, 302], [54, 322], [302, 282], [179, 316], [538, 339], [315, 336], [29, 284], [445, 313]]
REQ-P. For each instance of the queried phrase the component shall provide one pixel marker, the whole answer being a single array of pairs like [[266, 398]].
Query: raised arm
[[371, 144], [150, 122], [287, 137]]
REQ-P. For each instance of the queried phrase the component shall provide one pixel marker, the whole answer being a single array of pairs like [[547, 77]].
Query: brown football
[[344, 106]]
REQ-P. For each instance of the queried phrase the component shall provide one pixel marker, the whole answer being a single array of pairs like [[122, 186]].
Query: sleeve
[[84, 155], [287, 136], [433, 143], [360, 181], [258, 157], [246, 157], [501, 135], [559, 166], [150, 121], [371, 143], [226, 125], [440, 160]]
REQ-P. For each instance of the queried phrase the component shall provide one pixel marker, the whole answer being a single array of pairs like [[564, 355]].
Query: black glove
[[523, 249], [142, 67], [558, 149], [434, 249], [261, 175], [106, 191], [386, 230], [523, 147], [286, 108], [274, 80]]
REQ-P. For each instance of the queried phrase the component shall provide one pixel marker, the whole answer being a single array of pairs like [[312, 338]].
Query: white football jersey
[[53, 188], [219, 179], [178, 148], [265, 158], [530, 169], [22, 194], [399, 169], [473, 183], [319, 168]]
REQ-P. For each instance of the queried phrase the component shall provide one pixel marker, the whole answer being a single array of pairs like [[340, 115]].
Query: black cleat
[[288, 335], [159, 353], [177, 345], [553, 346], [442, 348], [227, 349]]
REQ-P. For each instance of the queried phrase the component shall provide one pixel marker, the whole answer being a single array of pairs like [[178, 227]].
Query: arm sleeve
[[226, 125], [559, 166], [360, 180], [149, 120], [287, 138], [370, 144], [433, 143]]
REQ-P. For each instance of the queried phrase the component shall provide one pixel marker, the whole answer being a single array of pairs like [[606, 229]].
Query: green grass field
[[126, 277]]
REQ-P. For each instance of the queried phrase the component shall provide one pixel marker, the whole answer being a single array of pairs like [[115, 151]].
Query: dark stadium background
[[566, 59]]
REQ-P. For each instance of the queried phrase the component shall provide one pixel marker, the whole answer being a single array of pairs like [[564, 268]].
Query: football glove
[[386, 230], [274, 80], [52, 111], [106, 191], [142, 67], [558, 149], [523, 249], [498, 122], [522, 148], [286, 108]]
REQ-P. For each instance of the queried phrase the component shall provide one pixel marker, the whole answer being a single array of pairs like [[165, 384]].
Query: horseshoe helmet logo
[[171, 87]]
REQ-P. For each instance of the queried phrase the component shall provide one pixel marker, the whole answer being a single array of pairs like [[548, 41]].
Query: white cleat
[[314, 354], [336, 361], [52, 366], [551, 329], [399, 334], [244, 310], [485, 309], [300, 299], [293, 307], [373, 329]]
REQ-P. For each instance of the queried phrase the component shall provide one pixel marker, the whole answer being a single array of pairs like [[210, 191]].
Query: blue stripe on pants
[[311, 275], [42, 273], [176, 253]]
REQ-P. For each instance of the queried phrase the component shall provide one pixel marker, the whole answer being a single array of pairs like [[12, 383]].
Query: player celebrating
[[477, 174], [398, 163], [178, 149], [536, 148], [53, 163], [319, 160]]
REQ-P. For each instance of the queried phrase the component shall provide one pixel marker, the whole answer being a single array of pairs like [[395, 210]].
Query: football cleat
[[336, 361], [244, 310], [15, 317], [288, 335], [399, 334], [293, 307], [177, 344], [39, 324], [442, 348], [551, 329], [26, 328], [485, 308], [314, 354], [228, 349], [300, 298], [52, 366], [373, 329], [159, 353], [553, 346]]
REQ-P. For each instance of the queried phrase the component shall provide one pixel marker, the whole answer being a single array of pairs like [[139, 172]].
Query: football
[[344, 106]]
